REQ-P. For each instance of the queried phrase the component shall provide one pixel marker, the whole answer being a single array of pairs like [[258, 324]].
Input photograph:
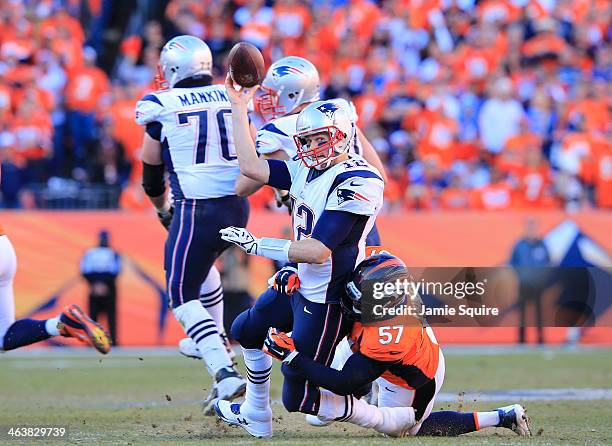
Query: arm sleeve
[[358, 371], [154, 129], [280, 176], [333, 227]]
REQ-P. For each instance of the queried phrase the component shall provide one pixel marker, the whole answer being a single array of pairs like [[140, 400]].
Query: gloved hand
[[240, 237], [280, 346], [283, 198], [286, 280], [165, 217]]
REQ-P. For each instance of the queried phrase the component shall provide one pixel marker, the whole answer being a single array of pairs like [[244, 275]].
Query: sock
[[258, 368], [211, 296], [200, 327], [388, 420], [332, 406], [487, 419], [361, 413], [447, 423], [25, 332], [342, 353], [51, 326]]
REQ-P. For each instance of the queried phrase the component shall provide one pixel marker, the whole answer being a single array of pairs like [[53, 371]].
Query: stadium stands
[[490, 104]]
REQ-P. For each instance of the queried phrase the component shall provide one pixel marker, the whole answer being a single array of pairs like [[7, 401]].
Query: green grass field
[[130, 400]]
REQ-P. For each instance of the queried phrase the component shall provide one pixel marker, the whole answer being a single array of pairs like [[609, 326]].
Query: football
[[246, 65]]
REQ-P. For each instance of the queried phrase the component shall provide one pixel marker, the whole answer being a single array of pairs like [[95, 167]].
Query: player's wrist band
[[274, 248], [290, 357]]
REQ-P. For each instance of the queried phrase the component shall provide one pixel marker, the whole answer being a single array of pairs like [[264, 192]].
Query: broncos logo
[[328, 109], [284, 70]]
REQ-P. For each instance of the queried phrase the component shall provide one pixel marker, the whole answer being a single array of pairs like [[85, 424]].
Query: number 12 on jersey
[[201, 121]]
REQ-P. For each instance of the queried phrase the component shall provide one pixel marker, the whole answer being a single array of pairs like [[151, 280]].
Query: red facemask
[[160, 82], [266, 104], [310, 155]]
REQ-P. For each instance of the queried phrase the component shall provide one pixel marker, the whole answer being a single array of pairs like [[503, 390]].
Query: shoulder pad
[[358, 191]]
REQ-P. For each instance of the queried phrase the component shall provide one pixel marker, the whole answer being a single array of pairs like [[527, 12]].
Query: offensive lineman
[[336, 197], [188, 129]]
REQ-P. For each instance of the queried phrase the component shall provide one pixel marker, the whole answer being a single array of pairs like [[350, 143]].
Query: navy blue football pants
[[194, 243], [316, 330]]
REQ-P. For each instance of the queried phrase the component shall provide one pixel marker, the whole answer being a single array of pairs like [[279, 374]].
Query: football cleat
[[258, 422], [74, 323], [229, 384], [315, 421], [514, 417], [187, 347], [208, 405]]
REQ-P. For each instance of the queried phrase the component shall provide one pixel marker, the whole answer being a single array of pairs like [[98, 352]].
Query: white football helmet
[[183, 57], [323, 117], [289, 82]]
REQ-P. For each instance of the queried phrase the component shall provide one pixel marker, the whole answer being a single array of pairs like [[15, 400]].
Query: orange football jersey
[[415, 354]]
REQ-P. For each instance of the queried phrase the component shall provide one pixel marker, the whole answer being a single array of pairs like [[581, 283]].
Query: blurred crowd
[[490, 104]]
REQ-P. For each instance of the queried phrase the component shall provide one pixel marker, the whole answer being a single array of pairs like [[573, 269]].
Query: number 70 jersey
[[194, 127]]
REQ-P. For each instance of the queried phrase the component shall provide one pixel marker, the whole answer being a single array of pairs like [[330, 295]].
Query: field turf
[[132, 399]]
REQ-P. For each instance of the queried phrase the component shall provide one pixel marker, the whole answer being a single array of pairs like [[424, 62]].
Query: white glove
[[240, 237]]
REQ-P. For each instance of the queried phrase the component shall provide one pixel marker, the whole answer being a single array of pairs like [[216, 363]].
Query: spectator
[[85, 86], [500, 116]]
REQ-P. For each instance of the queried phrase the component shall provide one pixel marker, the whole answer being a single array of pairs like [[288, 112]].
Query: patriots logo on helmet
[[173, 45], [328, 109], [348, 194], [284, 70]]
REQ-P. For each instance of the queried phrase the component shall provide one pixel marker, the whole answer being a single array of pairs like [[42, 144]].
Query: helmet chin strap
[[172, 81], [328, 162]]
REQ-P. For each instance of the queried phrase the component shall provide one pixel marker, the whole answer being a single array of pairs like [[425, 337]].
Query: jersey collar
[[201, 80]]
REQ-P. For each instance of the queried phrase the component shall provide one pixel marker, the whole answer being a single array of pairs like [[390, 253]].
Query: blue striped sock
[[25, 332], [447, 423]]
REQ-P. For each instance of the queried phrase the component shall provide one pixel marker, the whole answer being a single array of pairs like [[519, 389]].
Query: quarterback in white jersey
[[292, 83], [337, 197], [189, 135]]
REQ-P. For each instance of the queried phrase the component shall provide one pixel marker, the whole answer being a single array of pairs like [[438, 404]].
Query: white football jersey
[[353, 186], [194, 126], [278, 133]]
